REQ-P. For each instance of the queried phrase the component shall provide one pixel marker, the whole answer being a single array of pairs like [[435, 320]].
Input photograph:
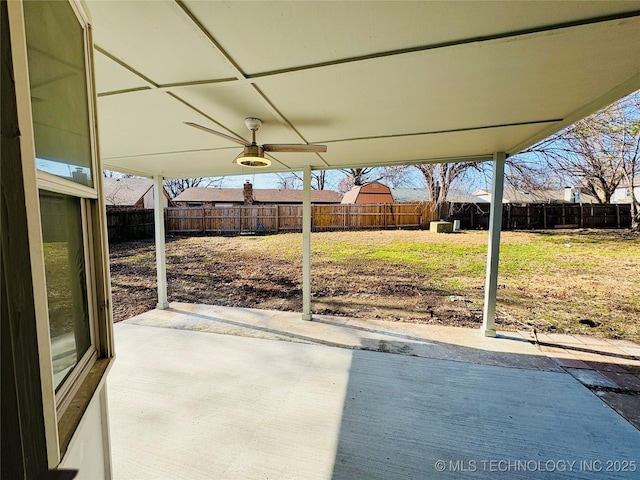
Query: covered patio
[[214, 392], [377, 83], [380, 84]]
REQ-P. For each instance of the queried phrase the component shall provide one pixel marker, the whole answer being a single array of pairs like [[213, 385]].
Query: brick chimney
[[248, 193]]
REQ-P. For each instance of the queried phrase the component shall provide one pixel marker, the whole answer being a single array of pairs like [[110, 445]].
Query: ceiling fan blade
[[283, 147], [220, 134]]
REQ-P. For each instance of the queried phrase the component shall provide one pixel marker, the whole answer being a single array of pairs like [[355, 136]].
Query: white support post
[[161, 259], [493, 254], [306, 244]]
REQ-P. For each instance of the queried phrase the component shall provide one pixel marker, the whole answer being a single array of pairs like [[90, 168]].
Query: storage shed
[[374, 192]]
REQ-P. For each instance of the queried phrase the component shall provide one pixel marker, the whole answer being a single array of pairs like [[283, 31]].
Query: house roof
[[379, 83], [204, 194], [636, 183], [351, 196], [422, 195], [262, 195], [539, 196], [125, 192], [294, 196]]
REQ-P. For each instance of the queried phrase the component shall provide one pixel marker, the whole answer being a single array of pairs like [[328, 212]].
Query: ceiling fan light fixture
[[253, 156]]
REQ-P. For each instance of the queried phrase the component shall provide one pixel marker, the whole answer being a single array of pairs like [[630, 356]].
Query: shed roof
[[125, 192], [373, 192]]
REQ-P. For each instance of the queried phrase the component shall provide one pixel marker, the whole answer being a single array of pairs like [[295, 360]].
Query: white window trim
[[32, 204], [53, 183], [34, 180]]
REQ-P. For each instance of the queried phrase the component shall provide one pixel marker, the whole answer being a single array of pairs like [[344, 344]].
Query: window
[[65, 269], [59, 94], [61, 108]]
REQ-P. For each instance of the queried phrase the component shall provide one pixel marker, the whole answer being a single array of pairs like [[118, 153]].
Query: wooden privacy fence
[[134, 224], [541, 215], [288, 218], [569, 215], [129, 224]]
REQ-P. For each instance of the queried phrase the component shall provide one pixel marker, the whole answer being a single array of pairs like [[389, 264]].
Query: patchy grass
[[550, 279]]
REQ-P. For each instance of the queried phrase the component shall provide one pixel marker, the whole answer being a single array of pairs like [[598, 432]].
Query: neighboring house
[[227, 197], [622, 194], [130, 192], [563, 195], [374, 192], [406, 195]]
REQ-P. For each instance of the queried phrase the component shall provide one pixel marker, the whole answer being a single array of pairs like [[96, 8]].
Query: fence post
[[277, 220], [544, 216], [618, 214]]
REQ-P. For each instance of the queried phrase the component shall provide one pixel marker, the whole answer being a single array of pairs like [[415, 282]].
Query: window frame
[[71, 384], [89, 373]]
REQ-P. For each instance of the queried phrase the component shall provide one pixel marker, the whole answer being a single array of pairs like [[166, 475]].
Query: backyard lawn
[[580, 281]]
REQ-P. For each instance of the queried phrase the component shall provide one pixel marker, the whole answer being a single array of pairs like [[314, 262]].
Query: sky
[[472, 182]]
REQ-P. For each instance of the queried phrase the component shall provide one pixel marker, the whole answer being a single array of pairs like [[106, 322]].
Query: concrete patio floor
[[204, 392]]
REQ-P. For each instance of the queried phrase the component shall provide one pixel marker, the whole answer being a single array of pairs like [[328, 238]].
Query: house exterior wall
[[40, 430], [89, 451], [623, 194], [147, 200]]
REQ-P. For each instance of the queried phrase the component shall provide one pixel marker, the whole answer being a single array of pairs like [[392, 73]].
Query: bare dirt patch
[[550, 280]]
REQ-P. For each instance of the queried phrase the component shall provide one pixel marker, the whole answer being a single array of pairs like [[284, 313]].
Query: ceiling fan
[[253, 154]]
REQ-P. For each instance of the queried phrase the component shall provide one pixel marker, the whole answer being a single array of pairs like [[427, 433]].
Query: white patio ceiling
[[379, 83]]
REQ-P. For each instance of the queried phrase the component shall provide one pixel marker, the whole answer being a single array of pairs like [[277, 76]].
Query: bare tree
[[522, 172], [631, 126], [358, 176], [598, 152], [288, 181], [397, 176], [440, 177], [293, 180], [320, 180], [355, 177], [176, 186], [113, 174]]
